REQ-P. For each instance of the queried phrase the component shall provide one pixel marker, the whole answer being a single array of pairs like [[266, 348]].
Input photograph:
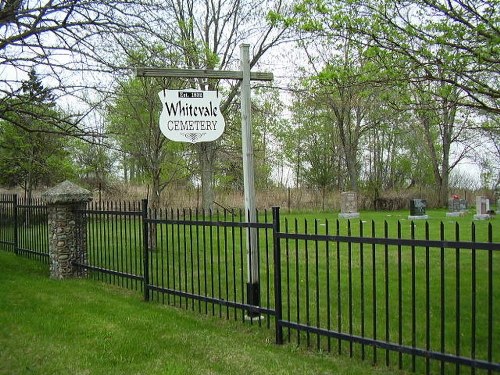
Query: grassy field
[[86, 327], [431, 298], [388, 293], [415, 296]]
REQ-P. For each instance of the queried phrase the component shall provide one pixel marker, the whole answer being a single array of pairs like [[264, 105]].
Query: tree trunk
[[431, 147], [154, 206], [443, 196], [206, 158], [350, 153], [353, 173]]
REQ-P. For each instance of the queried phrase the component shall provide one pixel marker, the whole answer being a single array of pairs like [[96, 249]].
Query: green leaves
[[439, 39], [31, 150]]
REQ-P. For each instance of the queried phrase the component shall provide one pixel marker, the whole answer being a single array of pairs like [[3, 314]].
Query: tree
[[320, 159], [342, 84], [266, 116], [207, 34], [487, 154], [388, 156], [453, 42], [67, 42], [456, 43], [133, 123], [34, 157], [94, 163], [447, 62]]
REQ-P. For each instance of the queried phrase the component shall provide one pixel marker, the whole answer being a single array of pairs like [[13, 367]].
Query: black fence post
[[16, 237], [145, 234], [277, 275]]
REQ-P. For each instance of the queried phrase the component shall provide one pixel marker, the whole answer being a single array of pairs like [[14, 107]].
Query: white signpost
[[196, 115], [191, 115]]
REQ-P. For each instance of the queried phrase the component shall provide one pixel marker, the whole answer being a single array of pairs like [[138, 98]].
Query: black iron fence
[[115, 243], [430, 305], [406, 296], [201, 260], [24, 227]]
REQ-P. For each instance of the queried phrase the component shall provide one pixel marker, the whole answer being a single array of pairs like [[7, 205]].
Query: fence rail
[[414, 299]]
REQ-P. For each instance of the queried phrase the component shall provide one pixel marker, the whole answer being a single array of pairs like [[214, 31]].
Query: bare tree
[[66, 42], [208, 34], [443, 123]]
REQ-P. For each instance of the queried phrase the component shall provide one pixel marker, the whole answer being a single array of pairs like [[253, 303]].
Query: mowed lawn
[[87, 327]]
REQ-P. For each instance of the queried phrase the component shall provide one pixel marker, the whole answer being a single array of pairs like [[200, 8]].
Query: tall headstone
[[463, 205], [498, 206], [348, 205], [456, 206], [67, 229], [417, 209], [482, 208]]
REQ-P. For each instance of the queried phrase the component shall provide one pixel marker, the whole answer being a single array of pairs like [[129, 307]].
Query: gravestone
[[498, 206], [456, 206], [463, 205], [417, 209], [348, 205], [482, 208]]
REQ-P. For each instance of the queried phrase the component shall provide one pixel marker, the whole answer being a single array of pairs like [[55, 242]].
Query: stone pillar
[[67, 229], [348, 205]]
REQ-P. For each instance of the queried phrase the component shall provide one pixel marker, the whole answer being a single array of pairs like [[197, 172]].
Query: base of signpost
[[253, 299]]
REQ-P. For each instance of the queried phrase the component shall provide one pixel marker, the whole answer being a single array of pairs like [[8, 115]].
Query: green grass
[[214, 250], [86, 327], [436, 217], [120, 248]]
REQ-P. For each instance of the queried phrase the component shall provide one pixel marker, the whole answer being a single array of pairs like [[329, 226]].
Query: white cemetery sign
[[191, 115]]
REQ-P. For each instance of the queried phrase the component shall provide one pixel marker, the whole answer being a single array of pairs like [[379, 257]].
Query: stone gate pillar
[[67, 229]]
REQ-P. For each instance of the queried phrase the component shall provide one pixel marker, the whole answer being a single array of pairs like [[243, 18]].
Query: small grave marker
[[348, 205], [456, 206], [463, 205], [417, 209], [482, 208]]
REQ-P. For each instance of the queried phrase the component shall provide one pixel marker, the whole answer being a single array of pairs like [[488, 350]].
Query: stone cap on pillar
[[66, 192]]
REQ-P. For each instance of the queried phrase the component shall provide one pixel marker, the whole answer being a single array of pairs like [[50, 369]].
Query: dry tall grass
[[290, 199]]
